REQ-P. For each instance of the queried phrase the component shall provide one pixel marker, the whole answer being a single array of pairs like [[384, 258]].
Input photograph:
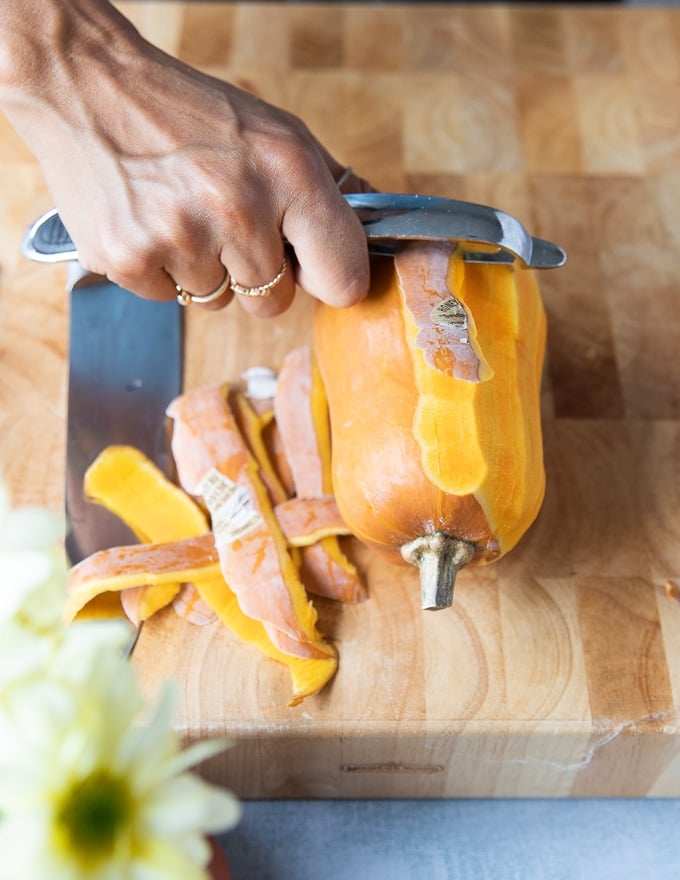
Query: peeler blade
[[390, 218]]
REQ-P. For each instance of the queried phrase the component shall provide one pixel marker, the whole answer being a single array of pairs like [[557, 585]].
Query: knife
[[388, 220], [125, 366]]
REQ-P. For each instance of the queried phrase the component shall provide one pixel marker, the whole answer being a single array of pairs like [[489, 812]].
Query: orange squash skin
[[367, 364]]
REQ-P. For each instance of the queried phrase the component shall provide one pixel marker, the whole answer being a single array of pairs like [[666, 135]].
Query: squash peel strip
[[213, 461], [306, 521], [252, 426], [132, 487], [301, 414], [97, 581]]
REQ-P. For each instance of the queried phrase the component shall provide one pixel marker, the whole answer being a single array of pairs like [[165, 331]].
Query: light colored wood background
[[557, 672]]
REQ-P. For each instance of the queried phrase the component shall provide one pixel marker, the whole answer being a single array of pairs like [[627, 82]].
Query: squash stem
[[439, 557]]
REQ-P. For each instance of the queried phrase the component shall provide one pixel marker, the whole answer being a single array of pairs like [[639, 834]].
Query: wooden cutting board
[[557, 671]]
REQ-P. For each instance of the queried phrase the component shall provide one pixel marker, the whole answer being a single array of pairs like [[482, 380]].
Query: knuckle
[[128, 260], [177, 230], [241, 218], [292, 153]]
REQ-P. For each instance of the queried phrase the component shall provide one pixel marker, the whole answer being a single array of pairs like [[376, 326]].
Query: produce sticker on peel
[[231, 507], [450, 311]]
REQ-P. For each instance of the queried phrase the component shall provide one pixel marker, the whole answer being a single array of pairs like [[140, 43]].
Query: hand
[[166, 176]]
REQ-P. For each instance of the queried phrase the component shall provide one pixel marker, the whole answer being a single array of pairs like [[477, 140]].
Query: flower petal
[[188, 803], [161, 860], [30, 528]]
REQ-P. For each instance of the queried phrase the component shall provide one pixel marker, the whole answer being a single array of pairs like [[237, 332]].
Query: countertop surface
[[557, 672]]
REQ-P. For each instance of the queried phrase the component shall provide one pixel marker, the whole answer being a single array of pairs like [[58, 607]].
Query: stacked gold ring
[[185, 298], [260, 289]]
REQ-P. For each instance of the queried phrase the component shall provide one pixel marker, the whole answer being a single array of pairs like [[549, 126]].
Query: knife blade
[[125, 366], [388, 220]]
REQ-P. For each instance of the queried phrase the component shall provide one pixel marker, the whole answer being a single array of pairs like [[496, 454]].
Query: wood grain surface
[[557, 671]]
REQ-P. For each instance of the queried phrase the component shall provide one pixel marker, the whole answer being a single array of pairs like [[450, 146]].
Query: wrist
[[46, 43]]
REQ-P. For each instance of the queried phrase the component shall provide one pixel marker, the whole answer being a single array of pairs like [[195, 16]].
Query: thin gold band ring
[[184, 298]]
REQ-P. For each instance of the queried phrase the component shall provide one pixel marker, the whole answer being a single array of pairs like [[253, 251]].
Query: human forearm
[[51, 52], [38, 37]]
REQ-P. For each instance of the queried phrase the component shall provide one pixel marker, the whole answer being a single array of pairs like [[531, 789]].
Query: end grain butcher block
[[548, 676], [557, 670]]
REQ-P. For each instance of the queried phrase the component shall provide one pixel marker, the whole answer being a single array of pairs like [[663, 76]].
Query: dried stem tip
[[439, 558]]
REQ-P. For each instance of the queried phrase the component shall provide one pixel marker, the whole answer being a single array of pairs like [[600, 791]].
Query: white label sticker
[[231, 507], [450, 311]]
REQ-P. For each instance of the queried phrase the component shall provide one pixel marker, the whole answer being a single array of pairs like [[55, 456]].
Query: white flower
[[32, 592], [86, 791], [32, 567]]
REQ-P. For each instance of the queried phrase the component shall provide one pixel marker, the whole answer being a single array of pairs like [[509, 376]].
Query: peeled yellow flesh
[[484, 438]]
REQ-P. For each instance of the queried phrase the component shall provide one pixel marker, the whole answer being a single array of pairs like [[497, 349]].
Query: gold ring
[[261, 289], [184, 298]]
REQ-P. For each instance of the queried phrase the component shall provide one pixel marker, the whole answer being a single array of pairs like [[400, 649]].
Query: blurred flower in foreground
[[89, 786], [32, 588], [31, 566]]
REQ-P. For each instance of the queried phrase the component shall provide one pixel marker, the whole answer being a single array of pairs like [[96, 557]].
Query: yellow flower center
[[93, 814]]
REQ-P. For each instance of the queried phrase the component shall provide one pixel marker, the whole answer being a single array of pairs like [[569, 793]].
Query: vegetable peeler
[[485, 234]]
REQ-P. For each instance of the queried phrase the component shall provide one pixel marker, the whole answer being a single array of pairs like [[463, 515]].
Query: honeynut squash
[[433, 385]]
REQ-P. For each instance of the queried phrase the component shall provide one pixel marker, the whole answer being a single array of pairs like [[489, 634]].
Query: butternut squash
[[433, 386]]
